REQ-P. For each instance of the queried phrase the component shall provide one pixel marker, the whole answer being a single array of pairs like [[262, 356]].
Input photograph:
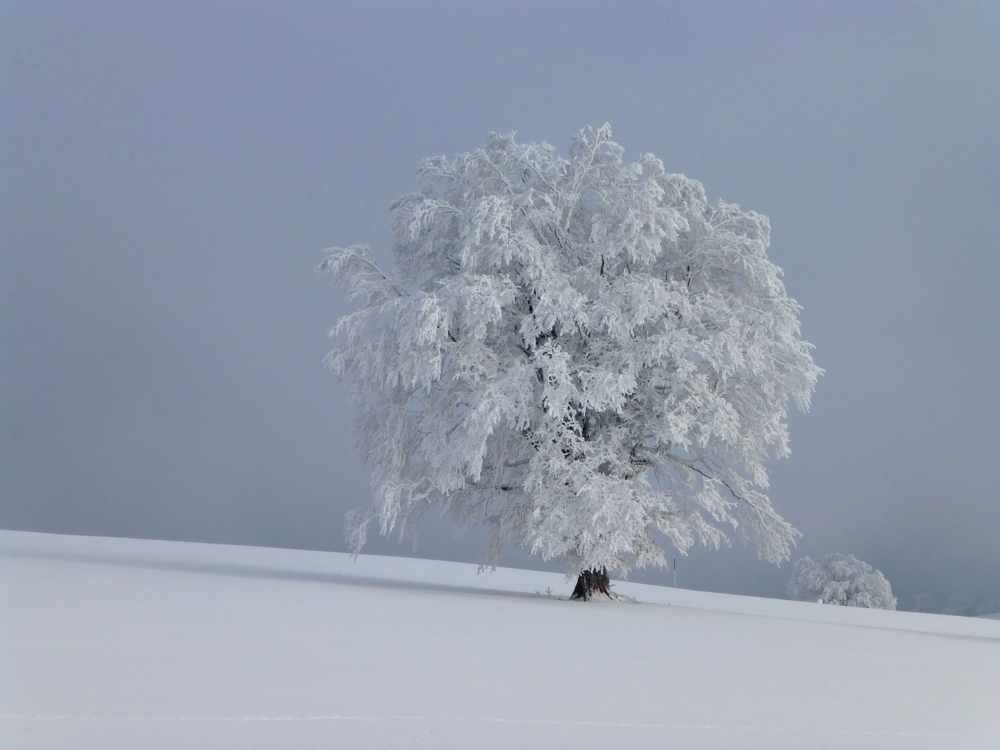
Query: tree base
[[592, 582]]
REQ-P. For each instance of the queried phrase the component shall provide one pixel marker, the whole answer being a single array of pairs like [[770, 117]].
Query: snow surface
[[122, 643]]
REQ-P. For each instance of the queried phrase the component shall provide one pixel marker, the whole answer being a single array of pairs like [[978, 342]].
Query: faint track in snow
[[495, 720]]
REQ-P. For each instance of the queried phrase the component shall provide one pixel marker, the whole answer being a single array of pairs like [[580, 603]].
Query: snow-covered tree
[[576, 353], [840, 579]]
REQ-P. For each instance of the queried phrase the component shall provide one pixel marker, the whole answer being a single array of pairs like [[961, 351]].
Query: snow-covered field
[[119, 643]]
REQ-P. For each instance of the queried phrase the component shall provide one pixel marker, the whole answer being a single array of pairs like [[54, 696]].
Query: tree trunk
[[592, 582]]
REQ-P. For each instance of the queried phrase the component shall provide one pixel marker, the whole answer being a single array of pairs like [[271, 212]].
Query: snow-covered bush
[[840, 579], [575, 352]]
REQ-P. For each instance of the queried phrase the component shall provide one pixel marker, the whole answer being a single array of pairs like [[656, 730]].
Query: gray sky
[[172, 171]]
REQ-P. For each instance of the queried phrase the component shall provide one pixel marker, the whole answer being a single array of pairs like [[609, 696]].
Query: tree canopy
[[840, 579], [576, 352]]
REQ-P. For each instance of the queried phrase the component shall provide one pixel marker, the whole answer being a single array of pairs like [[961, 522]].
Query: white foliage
[[840, 579], [575, 352]]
